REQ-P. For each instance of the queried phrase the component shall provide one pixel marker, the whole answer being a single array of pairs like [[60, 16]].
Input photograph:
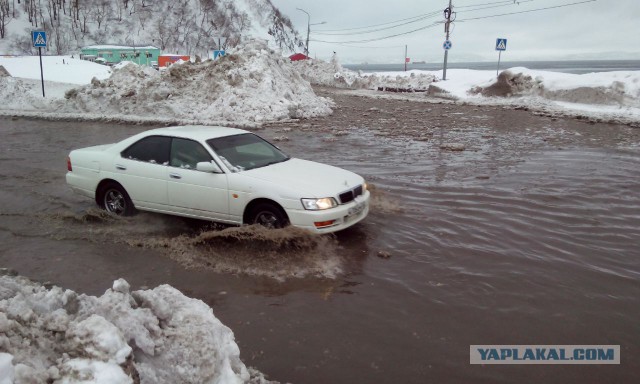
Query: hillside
[[183, 26]]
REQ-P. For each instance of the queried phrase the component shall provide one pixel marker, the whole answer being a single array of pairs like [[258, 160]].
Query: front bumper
[[342, 216]]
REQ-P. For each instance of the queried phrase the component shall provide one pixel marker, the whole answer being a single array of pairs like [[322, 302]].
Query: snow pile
[[608, 88], [21, 94], [254, 84], [146, 336], [620, 88], [510, 84], [332, 74], [602, 96]]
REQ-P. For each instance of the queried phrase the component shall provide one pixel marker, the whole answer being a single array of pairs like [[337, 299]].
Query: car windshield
[[246, 151]]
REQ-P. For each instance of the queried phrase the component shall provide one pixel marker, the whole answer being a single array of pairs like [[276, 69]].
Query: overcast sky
[[601, 29]]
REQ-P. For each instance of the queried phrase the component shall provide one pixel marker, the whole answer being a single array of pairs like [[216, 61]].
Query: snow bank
[[606, 88], [147, 336], [603, 96], [62, 69], [610, 96], [332, 74], [254, 84]]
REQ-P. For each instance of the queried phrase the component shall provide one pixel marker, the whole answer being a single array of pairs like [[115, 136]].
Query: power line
[[478, 5], [496, 6], [530, 10], [379, 25], [374, 30], [380, 38], [354, 46]]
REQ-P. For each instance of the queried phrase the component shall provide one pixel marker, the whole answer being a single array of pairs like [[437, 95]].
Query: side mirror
[[208, 166]]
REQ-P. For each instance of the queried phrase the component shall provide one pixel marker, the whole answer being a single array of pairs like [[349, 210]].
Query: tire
[[114, 199], [269, 215]]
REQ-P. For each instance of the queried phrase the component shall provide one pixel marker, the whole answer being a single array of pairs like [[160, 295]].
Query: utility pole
[[306, 46], [447, 15], [405, 58]]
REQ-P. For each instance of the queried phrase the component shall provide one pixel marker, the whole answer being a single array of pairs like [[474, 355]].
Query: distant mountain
[[192, 27]]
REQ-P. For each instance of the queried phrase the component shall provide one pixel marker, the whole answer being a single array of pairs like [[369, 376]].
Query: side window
[[187, 153], [153, 149]]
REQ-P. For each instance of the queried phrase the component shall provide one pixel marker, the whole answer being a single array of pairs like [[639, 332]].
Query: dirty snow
[[154, 336], [602, 96], [253, 85], [332, 74], [256, 85]]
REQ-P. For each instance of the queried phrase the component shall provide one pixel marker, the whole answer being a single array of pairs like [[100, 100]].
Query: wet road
[[528, 236]]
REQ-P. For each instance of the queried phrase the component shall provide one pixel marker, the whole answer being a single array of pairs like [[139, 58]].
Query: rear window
[[153, 149]]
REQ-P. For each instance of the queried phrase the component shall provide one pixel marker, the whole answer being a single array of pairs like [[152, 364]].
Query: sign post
[[447, 43], [39, 39], [406, 59], [220, 51], [501, 45]]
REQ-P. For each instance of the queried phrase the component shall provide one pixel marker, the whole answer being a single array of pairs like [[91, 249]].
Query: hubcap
[[114, 202], [267, 219]]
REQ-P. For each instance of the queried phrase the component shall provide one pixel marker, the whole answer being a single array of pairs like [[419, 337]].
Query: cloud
[[581, 31]]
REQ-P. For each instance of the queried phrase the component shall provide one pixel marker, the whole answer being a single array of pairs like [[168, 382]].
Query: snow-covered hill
[[191, 27]]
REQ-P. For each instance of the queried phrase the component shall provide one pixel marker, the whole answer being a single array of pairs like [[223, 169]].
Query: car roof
[[197, 132]]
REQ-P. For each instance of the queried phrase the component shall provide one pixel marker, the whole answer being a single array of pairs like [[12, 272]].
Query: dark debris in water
[[90, 216], [260, 238]]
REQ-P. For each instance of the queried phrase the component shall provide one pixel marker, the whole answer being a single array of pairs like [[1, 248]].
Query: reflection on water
[[528, 236]]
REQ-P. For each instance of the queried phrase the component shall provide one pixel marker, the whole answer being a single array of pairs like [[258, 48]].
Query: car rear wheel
[[114, 199], [269, 216]]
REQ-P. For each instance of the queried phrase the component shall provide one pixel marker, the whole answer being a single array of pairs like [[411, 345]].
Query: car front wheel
[[269, 216], [116, 200]]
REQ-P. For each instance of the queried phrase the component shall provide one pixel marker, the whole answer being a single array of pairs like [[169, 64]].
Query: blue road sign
[[218, 53], [501, 44], [447, 45], [39, 39]]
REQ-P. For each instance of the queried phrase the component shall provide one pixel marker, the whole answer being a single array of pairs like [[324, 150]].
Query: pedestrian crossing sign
[[39, 39], [501, 44]]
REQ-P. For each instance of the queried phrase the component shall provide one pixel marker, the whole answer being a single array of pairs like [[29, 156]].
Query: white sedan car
[[220, 174]]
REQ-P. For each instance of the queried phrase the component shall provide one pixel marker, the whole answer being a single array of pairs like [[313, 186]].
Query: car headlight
[[319, 204]]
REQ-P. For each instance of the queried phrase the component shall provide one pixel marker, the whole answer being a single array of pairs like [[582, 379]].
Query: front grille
[[348, 196]]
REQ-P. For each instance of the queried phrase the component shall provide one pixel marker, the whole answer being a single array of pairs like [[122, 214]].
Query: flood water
[[529, 236]]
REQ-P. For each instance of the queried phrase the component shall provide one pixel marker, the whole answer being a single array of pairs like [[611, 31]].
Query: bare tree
[[85, 15], [187, 26], [101, 10], [120, 7], [5, 17]]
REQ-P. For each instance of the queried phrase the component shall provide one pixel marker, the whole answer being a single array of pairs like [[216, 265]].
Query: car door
[[142, 171], [193, 192]]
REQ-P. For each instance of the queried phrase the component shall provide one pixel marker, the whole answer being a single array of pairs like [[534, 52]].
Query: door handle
[[175, 176], [121, 167]]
